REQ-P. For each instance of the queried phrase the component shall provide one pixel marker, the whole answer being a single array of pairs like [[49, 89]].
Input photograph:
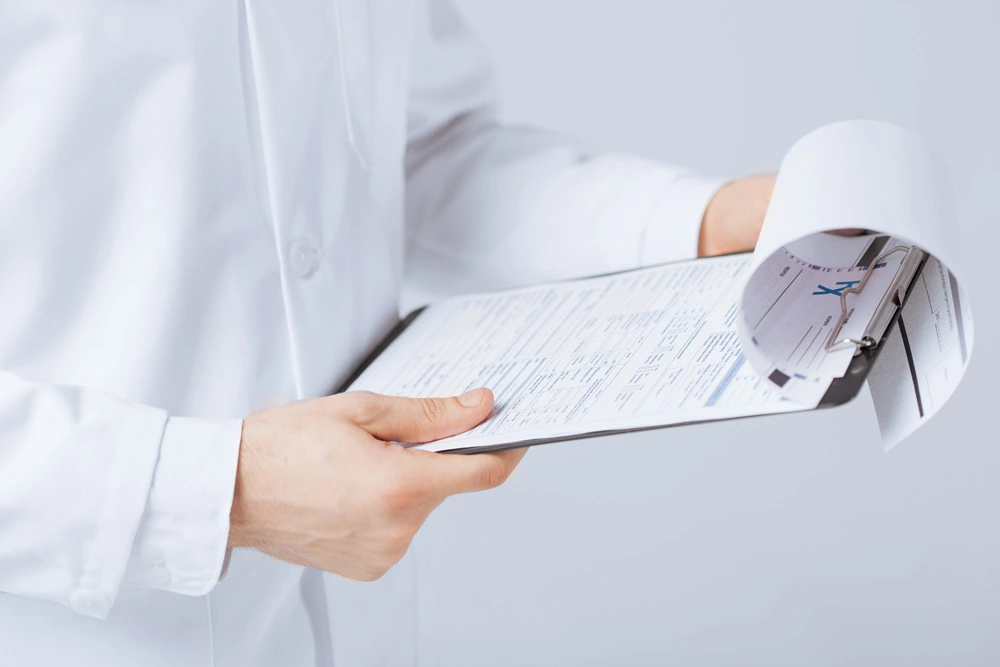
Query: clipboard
[[842, 390]]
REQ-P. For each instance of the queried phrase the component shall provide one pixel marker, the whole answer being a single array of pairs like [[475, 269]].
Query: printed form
[[652, 347], [725, 337]]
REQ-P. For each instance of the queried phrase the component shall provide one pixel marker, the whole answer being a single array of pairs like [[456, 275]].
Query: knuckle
[[494, 474], [398, 494], [398, 545], [365, 408], [392, 549], [433, 410]]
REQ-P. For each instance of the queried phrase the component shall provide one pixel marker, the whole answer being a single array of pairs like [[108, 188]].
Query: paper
[[638, 349], [875, 176], [725, 337], [924, 357], [794, 307]]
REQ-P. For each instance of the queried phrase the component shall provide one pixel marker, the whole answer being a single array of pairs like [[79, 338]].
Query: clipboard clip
[[887, 307]]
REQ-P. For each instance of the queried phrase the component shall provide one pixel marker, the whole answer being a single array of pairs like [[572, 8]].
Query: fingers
[[449, 474], [417, 420], [413, 420]]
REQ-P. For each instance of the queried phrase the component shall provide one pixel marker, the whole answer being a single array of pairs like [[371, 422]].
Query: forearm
[[502, 206], [489, 206]]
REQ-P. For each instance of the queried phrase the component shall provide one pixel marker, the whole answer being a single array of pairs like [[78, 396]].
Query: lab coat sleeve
[[96, 492], [180, 545], [491, 206]]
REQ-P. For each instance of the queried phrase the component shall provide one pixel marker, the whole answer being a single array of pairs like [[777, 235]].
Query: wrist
[[707, 243], [240, 526], [734, 215]]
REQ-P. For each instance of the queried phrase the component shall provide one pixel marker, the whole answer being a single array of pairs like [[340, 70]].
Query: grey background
[[778, 540]]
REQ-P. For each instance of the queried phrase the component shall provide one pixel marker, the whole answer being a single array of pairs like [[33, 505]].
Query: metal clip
[[891, 301]]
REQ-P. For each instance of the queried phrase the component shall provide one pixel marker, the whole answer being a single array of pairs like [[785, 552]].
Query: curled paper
[[815, 290]]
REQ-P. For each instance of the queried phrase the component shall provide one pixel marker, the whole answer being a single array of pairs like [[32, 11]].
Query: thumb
[[417, 420]]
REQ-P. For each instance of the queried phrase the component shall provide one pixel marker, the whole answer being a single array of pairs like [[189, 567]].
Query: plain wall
[[778, 540]]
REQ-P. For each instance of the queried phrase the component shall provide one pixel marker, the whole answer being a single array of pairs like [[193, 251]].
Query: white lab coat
[[206, 207]]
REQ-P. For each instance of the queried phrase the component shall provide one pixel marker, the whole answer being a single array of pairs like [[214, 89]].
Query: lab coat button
[[303, 257], [88, 602], [159, 575]]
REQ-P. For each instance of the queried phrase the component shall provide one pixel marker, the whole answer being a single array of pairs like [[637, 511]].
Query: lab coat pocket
[[374, 44]]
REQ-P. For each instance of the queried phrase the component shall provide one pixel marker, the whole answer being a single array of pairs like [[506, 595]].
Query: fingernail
[[471, 399]]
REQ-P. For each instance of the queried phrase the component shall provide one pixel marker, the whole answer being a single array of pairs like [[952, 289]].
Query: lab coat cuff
[[181, 545], [674, 227], [131, 468]]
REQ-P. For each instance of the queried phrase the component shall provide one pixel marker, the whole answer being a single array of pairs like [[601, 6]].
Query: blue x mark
[[836, 291]]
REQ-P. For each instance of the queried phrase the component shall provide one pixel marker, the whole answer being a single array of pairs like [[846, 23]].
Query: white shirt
[[206, 207]]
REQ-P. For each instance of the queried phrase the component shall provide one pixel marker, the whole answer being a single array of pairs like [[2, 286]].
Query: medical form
[[648, 347], [719, 338]]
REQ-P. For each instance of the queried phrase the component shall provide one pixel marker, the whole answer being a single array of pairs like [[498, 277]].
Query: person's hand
[[319, 484], [734, 216]]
